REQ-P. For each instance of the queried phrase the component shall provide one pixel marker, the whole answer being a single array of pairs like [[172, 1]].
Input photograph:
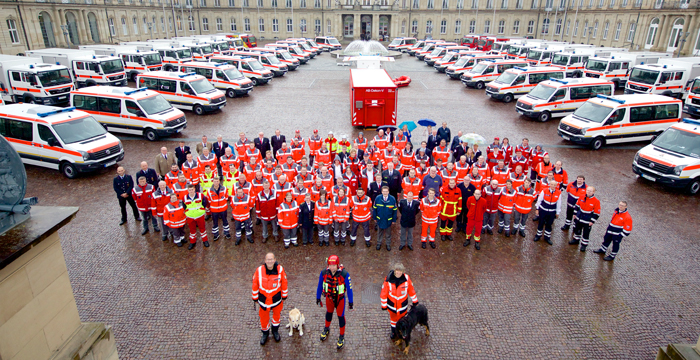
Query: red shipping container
[[373, 98]]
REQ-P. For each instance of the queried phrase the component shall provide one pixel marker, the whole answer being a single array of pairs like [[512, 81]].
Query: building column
[[375, 27], [690, 44], [59, 21], [356, 26], [659, 35]]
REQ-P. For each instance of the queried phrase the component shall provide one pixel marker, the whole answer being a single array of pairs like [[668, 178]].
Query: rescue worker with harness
[[451, 198], [333, 283], [396, 290], [269, 291]]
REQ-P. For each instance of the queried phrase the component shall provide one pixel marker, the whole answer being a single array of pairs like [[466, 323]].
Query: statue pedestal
[[679, 352], [38, 314]]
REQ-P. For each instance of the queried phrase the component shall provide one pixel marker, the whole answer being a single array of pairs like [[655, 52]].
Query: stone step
[[678, 352]]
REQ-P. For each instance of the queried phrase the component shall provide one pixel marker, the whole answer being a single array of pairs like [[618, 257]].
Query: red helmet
[[334, 260]]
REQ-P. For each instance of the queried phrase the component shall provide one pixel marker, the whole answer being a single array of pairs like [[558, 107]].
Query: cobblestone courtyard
[[512, 299]]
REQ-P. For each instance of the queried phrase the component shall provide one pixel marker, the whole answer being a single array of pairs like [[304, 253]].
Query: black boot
[[514, 231], [393, 333], [324, 334], [599, 251], [537, 238], [507, 233], [583, 248], [467, 242], [489, 231], [275, 333], [432, 244], [265, 335], [573, 242], [341, 342], [522, 233], [191, 246], [500, 230], [442, 237], [565, 228], [549, 241], [477, 245]]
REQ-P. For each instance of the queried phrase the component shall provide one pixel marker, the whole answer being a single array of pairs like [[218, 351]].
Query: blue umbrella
[[410, 125], [426, 122]]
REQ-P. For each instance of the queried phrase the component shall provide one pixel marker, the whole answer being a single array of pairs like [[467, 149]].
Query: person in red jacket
[[430, 211], [476, 208], [620, 227], [159, 199], [323, 217], [506, 203], [174, 218], [587, 213], [143, 194], [266, 210], [492, 194], [288, 213], [523, 206], [396, 290], [451, 199], [361, 207], [269, 292], [218, 197], [241, 204]]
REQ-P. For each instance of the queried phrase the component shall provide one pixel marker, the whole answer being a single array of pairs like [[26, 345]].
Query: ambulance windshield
[[695, 87], [79, 130], [152, 59], [447, 57], [305, 46], [154, 104], [507, 78], [559, 59], [286, 55], [184, 53], [238, 43], [644, 76], [207, 50], [233, 74], [513, 50], [534, 55], [297, 50], [333, 41], [591, 111], [679, 141], [201, 86], [496, 47], [395, 42], [255, 65], [596, 65], [461, 61], [467, 41], [313, 43], [54, 77], [436, 52], [542, 91], [272, 59], [224, 46], [112, 66]]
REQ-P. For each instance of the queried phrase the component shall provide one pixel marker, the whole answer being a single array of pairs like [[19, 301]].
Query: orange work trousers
[[265, 316]]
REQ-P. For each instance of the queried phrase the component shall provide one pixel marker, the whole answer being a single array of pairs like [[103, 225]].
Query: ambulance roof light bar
[[45, 114], [691, 121], [135, 91], [186, 75], [610, 98], [519, 68], [559, 80]]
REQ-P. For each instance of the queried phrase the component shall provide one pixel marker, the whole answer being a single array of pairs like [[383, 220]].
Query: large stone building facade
[[657, 25]]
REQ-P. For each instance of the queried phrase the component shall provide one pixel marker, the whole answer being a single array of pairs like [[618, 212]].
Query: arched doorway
[[675, 37], [72, 28], [46, 26], [384, 27], [348, 26], [366, 26], [651, 35], [94, 31]]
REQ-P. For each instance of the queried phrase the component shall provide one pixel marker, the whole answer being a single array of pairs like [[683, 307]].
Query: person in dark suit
[[408, 208], [306, 218], [262, 143], [467, 189], [123, 184], [277, 141], [444, 133], [218, 148], [432, 141], [459, 150], [393, 179], [150, 174], [181, 153], [456, 141]]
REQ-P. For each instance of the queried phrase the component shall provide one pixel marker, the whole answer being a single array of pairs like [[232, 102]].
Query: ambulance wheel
[[507, 98], [150, 135], [597, 143], [255, 81], [694, 187], [198, 109], [90, 83], [68, 170], [133, 76], [544, 116], [231, 93], [29, 100], [480, 85]]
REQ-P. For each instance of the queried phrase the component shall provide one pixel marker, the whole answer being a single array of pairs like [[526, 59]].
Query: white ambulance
[[305, 48], [487, 71], [574, 61], [87, 68], [249, 67], [673, 158], [428, 48], [616, 67], [135, 61], [283, 55], [218, 46], [411, 50], [308, 43], [668, 77], [464, 63], [185, 91], [29, 80], [171, 56], [692, 102], [223, 76], [140, 112], [294, 50], [440, 50], [401, 43], [267, 60], [560, 97], [518, 81], [451, 57], [199, 51], [621, 118], [63, 139], [329, 43]]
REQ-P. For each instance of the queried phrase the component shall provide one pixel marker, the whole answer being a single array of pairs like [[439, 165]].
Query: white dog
[[296, 321]]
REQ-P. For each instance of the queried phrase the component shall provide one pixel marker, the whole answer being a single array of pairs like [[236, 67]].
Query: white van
[[667, 77], [134, 60], [131, 111], [283, 55], [692, 102], [673, 158], [488, 70], [328, 43], [560, 97], [621, 118], [616, 67], [464, 64], [87, 68], [63, 139], [267, 60], [223, 76], [518, 81], [249, 67], [29, 80], [401, 43], [185, 91]]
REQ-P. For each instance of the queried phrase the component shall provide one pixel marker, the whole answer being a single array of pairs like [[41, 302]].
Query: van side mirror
[[54, 142]]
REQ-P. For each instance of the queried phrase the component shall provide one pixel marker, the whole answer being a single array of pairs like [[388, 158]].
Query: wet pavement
[[512, 299]]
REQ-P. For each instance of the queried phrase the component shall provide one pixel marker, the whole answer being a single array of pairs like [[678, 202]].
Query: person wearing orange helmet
[[334, 283]]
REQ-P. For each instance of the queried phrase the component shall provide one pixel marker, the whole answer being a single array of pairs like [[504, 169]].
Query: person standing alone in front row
[[384, 213], [408, 208], [123, 184]]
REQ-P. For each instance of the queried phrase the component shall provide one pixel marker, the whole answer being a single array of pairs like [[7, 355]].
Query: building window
[[302, 3], [328, 27], [416, 4], [605, 30], [531, 26], [504, 4], [288, 3], [231, 3], [317, 26], [414, 27], [601, 3], [403, 27], [651, 36], [290, 25], [475, 4], [624, 3], [576, 28], [568, 26], [545, 26], [516, 26], [261, 3], [205, 24], [261, 25], [145, 26], [458, 26], [445, 4], [170, 23], [246, 25], [618, 28], [233, 25], [548, 5], [317, 4], [585, 30], [429, 27], [154, 24], [302, 25], [275, 25], [472, 26], [501, 26], [111, 27], [487, 27], [179, 24], [136, 25], [246, 3], [217, 3], [443, 27], [557, 27], [273, 3], [612, 3], [519, 4], [595, 30], [219, 25], [630, 34], [125, 28], [203, 3], [188, 3], [431, 4], [489, 4], [162, 24], [534, 4], [190, 21], [460, 4]]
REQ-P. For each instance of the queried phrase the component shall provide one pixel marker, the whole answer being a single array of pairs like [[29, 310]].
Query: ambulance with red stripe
[[139, 112], [501, 47], [223, 76], [668, 77], [134, 60], [328, 43], [87, 68], [673, 158], [518, 81], [621, 118], [267, 60], [692, 102], [560, 97], [309, 43], [64, 139], [248, 66], [439, 51], [294, 50], [29, 80], [616, 68], [185, 91], [452, 57], [487, 71], [199, 51], [305, 48], [171, 56], [465, 63], [283, 55], [519, 51], [218, 47], [401, 43]]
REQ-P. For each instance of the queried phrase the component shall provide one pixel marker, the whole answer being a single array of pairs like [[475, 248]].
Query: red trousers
[[194, 224], [265, 316], [395, 317], [339, 308], [428, 232], [474, 225]]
